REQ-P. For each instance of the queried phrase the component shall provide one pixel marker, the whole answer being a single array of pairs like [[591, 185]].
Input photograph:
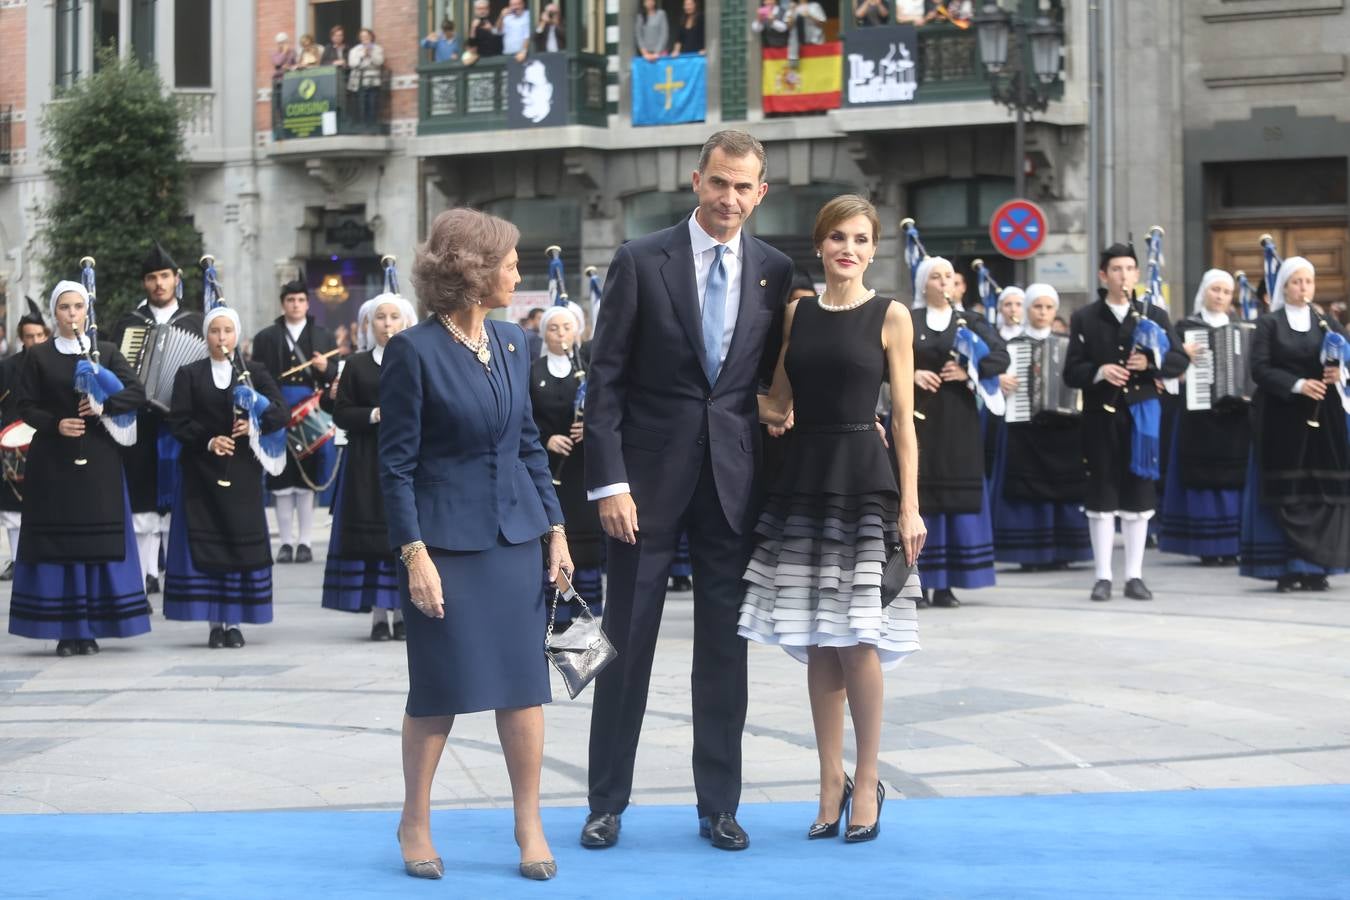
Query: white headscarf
[[921, 281], [999, 320], [63, 287], [1040, 289], [365, 318], [1210, 277], [227, 313], [552, 312], [1287, 269]]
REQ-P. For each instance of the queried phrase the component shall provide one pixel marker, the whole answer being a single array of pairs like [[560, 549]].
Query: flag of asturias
[[815, 83], [669, 90]]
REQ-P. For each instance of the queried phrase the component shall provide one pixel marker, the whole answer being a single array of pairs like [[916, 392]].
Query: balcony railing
[[455, 97], [6, 120], [199, 107], [364, 111]]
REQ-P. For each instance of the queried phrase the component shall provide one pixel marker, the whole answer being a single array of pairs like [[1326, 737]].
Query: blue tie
[[714, 315]]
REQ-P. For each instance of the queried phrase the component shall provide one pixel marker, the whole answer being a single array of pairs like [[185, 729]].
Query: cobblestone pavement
[[1028, 688]]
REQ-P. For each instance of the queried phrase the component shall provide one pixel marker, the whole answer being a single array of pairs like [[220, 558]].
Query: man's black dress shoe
[[681, 584], [285, 554], [945, 597], [601, 830], [1101, 591], [303, 554], [724, 832], [1135, 589]]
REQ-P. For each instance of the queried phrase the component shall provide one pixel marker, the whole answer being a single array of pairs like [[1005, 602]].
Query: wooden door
[[1235, 248]]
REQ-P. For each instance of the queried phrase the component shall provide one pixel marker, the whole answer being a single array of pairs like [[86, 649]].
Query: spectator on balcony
[[550, 36], [483, 40], [514, 26], [366, 62], [653, 31], [311, 54], [444, 46], [869, 13], [805, 23], [689, 39], [335, 54], [910, 12], [283, 58], [771, 23]]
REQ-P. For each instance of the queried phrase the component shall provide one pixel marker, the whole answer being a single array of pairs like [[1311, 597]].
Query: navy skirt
[[356, 585], [1264, 548], [488, 651], [1197, 521], [81, 601], [191, 595], [959, 551]]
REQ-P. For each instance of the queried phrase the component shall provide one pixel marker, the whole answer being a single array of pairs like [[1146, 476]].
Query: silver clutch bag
[[580, 652]]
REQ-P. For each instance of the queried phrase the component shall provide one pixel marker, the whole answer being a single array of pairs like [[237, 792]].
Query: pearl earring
[[817, 254]]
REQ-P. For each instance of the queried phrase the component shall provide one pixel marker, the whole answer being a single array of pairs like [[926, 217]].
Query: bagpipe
[[968, 348], [93, 382], [557, 292], [1335, 350], [269, 449], [989, 290]]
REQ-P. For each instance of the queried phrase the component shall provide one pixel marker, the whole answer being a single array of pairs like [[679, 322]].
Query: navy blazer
[[449, 478], [651, 415]]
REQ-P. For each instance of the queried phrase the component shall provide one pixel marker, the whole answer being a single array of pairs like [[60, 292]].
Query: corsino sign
[[880, 65], [306, 95]]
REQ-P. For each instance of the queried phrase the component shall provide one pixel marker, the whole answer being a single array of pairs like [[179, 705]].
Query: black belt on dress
[[836, 427]]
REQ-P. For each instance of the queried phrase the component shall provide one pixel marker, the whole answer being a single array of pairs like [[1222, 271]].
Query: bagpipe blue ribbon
[[1336, 350], [579, 402], [988, 297], [596, 293], [1146, 443], [271, 445], [972, 349], [1272, 267], [1245, 300], [166, 471], [100, 384], [557, 287]]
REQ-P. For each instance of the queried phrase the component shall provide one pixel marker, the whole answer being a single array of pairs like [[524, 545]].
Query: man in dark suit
[[151, 463], [672, 437], [1115, 376]]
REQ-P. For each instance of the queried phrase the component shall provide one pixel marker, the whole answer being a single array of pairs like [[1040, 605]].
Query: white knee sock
[[304, 507], [1102, 531], [1135, 532], [285, 517], [379, 614], [13, 543], [147, 548], [398, 615]]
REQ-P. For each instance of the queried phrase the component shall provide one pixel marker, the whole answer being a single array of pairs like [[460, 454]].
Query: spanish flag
[[815, 83]]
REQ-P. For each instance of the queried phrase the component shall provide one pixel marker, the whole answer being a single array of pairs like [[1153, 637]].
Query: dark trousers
[[637, 594]]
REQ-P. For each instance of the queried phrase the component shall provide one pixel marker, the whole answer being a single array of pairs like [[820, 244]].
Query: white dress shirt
[[162, 314], [704, 246], [1300, 320], [515, 31]]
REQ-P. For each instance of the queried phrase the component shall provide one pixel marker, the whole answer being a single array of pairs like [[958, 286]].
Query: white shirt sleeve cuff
[[1298, 386], [1100, 376], [374, 415], [608, 490]]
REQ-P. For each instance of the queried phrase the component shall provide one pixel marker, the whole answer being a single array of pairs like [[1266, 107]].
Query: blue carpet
[[1267, 843]]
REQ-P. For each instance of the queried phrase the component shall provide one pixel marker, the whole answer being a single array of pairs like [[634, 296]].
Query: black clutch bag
[[582, 650], [895, 576]]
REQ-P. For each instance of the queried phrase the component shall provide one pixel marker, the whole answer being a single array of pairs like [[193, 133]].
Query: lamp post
[[1006, 41]]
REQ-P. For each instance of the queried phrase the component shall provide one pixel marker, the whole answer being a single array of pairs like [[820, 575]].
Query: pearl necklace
[[478, 347], [820, 300]]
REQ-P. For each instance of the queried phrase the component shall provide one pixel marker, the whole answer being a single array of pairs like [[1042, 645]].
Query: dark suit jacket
[[1096, 338], [449, 478], [651, 414]]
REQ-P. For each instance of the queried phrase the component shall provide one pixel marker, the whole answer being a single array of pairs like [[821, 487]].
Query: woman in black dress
[[78, 576], [689, 36], [468, 496], [960, 547], [835, 511], [219, 566], [558, 394], [1296, 512], [360, 573]]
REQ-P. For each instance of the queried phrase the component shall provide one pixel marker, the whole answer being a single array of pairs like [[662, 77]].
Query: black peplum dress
[[833, 510]]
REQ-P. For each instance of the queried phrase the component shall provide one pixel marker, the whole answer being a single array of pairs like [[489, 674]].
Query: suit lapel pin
[[511, 348], [764, 282]]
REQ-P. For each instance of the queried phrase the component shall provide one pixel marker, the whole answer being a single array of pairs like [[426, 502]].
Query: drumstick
[[309, 362]]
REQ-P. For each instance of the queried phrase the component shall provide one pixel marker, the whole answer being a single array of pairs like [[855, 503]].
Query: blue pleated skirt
[[1264, 550], [191, 595], [1197, 521], [1040, 533], [356, 585], [959, 552], [81, 601]]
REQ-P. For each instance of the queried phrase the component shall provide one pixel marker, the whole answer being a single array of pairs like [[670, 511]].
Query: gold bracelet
[[411, 551], [557, 528]]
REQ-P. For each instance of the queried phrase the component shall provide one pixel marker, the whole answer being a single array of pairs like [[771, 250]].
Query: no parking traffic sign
[[1018, 229]]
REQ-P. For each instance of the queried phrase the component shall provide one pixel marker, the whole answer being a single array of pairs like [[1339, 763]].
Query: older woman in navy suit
[[468, 496]]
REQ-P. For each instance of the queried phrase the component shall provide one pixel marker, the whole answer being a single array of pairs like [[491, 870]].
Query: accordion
[[1224, 373], [1039, 369], [156, 353]]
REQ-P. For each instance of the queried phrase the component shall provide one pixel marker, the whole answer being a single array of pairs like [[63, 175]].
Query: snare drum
[[14, 441], [309, 429]]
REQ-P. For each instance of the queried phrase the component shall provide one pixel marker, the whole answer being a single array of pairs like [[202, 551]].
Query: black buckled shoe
[[234, 638], [400, 631], [88, 648], [1101, 591], [724, 831], [380, 631], [67, 648], [1135, 589], [151, 584], [924, 601], [1286, 583], [285, 554], [600, 831], [681, 584], [303, 554], [945, 598], [216, 640], [1315, 582]]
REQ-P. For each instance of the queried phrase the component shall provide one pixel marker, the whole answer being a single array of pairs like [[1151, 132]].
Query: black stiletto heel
[[858, 834], [820, 830]]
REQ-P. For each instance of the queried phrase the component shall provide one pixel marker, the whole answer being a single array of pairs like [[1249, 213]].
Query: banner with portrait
[[536, 91], [808, 84], [881, 65]]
